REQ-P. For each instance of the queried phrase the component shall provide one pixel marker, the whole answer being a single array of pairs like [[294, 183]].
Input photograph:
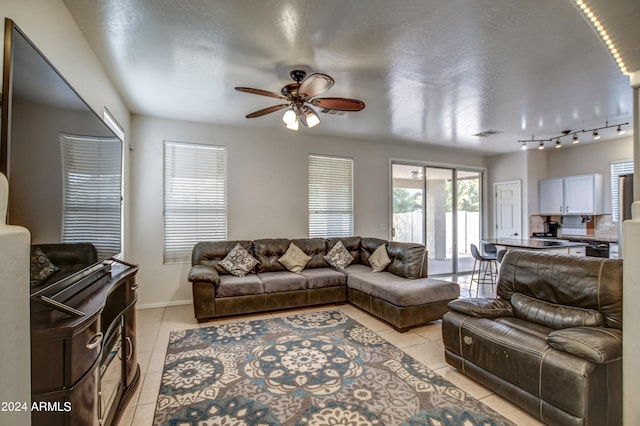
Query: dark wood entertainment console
[[84, 369]]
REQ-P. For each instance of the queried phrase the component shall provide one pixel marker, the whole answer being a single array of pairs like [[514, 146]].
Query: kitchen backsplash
[[599, 227]]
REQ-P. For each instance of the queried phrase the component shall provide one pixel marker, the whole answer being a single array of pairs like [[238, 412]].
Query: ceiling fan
[[301, 96]]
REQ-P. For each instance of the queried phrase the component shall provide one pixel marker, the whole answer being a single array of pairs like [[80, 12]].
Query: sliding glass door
[[439, 207]]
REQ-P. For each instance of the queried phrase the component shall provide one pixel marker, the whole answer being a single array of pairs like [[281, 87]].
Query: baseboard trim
[[162, 304]]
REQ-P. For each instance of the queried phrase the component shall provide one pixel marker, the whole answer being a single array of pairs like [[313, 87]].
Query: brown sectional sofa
[[402, 294], [551, 342]]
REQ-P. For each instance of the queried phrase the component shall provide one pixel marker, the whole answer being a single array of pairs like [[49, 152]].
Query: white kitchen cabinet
[[551, 196], [572, 195]]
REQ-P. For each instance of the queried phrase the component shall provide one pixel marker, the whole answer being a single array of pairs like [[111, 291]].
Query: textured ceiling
[[429, 71]]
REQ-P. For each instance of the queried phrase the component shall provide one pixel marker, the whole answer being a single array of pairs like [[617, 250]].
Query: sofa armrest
[[482, 307], [597, 344], [204, 273]]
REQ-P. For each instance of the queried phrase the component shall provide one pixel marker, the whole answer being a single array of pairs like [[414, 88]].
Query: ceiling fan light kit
[[575, 139], [300, 96]]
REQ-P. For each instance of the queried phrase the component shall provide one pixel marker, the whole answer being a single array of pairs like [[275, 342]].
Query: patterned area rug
[[320, 369]]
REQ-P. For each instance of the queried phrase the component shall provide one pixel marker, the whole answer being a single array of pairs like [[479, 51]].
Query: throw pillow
[[41, 267], [238, 261], [379, 259], [339, 257], [294, 259]]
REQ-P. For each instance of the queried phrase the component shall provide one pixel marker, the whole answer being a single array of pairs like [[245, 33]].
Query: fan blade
[[267, 110], [340, 104], [260, 92], [315, 84]]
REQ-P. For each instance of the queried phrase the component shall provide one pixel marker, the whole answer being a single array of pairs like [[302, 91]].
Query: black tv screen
[[63, 163]]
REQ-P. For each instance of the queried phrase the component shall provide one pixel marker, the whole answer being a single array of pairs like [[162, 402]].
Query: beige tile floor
[[423, 343]]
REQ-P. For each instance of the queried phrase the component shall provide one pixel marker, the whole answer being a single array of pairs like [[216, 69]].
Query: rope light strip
[[588, 13]]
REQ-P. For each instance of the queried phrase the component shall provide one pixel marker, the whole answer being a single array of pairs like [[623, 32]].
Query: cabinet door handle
[[566, 209], [95, 341], [134, 287], [560, 209], [129, 348]]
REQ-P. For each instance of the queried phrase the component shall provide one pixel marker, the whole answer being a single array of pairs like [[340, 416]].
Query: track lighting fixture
[[574, 133]]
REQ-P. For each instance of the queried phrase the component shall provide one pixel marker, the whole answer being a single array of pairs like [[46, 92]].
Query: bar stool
[[484, 271]]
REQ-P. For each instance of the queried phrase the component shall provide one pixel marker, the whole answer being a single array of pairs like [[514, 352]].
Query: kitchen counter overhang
[[533, 244]]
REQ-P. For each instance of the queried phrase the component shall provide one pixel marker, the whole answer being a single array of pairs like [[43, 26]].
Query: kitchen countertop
[[533, 244]]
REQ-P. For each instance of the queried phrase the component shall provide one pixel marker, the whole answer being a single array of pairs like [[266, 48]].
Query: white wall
[[504, 168], [590, 158], [267, 189], [530, 166]]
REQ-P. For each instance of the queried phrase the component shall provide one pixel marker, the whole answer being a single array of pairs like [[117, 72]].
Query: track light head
[[620, 130], [558, 143], [596, 135], [541, 146], [575, 139]]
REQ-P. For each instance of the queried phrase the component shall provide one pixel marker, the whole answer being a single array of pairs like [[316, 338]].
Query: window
[[618, 168], [195, 197], [92, 192], [330, 196]]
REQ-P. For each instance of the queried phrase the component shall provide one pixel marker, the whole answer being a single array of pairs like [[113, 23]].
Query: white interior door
[[508, 209]]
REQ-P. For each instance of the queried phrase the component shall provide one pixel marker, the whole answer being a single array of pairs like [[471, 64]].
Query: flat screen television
[[63, 164]]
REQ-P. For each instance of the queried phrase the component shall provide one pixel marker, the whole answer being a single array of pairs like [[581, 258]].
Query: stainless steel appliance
[[625, 192], [597, 249]]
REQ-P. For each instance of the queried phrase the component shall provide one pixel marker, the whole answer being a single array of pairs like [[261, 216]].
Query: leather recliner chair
[[551, 342]]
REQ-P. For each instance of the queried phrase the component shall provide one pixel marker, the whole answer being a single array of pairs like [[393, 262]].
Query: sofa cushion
[[355, 268], [230, 286], [210, 253], [352, 244], [483, 308], [554, 315], [582, 282], [537, 330], [276, 282], [401, 291], [324, 277], [379, 259], [267, 251], [407, 259], [367, 247], [239, 261], [316, 248], [41, 267], [294, 259], [597, 344], [339, 257]]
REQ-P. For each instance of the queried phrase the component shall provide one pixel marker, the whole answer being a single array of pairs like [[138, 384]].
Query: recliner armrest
[[597, 344], [204, 273], [483, 307]]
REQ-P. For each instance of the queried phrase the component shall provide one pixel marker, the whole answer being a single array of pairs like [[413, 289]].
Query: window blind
[[618, 168], [330, 196], [195, 197], [92, 182]]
